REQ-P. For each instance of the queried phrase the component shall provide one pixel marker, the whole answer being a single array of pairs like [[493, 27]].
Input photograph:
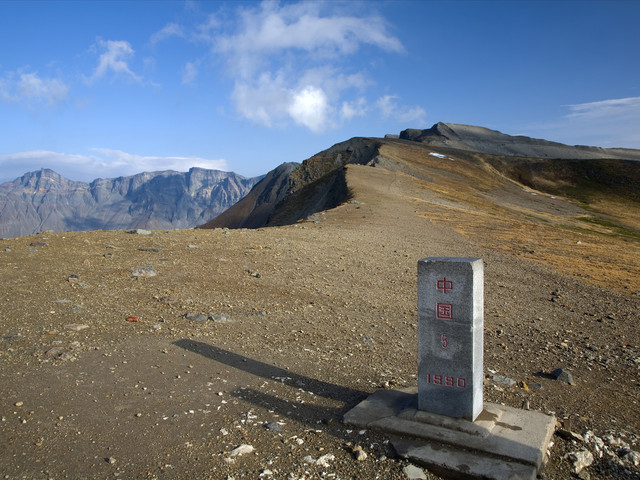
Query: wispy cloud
[[300, 30], [109, 158], [604, 123], [114, 58], [291, 62], [606, 108], [190, 72], [168, 31], [389, 107], [29, 89], [101, 162], [354, 108]]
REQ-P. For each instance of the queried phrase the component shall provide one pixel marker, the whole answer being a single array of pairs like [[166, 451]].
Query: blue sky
[[102, 89]]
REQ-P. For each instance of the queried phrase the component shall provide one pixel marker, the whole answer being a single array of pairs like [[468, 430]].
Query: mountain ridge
[[319, 183], [493, 142]]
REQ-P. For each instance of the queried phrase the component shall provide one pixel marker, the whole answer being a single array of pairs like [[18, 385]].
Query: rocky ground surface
[[233, 354]]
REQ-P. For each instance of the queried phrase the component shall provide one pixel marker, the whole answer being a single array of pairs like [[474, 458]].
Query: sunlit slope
[[593, 235]]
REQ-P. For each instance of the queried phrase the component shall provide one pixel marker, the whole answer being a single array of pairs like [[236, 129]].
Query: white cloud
[[28, 88], [291, 62], [133, 163], [606, 108], [168, 31], [102, 163], [301, 28], [356, 108], [265, 101], [114, 58], [189, 73], [310, 107], [390, 108]]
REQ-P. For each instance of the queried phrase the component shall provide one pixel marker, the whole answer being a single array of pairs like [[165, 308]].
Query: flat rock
[[144, 271], [502, 443], [76, 327]]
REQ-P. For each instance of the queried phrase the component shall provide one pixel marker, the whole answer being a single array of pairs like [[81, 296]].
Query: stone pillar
[[450, 336]]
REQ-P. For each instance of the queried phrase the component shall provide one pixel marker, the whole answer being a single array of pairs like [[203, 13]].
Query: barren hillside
[[266, 337]]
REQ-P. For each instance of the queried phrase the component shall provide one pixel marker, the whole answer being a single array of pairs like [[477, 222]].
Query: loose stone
[[580, 460], [631, 457], [322, 461], [509, 382], [562, 375], [196, 317], [414, 473], [220, 317], [54, 352], [76, 327], [144, 271], [242, 450], [273, 426], [360, 454]]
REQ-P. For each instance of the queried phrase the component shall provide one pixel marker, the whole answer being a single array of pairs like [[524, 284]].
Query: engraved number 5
[[444, 340]]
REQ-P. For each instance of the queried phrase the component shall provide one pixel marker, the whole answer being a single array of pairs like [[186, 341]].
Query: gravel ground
[[156, 356]]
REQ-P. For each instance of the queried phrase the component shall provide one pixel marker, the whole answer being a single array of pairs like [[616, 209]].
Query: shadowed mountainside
[[44, 200]]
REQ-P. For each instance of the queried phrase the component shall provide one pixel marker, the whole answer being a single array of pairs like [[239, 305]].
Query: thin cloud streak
[[390, 108], [102, 163], [168, 31], [29, 89], [606, 108], [606, 123]]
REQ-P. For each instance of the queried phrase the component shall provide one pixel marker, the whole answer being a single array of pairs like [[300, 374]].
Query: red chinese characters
[[444, 285], [444, 311]]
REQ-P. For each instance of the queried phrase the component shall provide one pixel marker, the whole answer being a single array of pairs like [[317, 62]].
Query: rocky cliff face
[[44, 200]]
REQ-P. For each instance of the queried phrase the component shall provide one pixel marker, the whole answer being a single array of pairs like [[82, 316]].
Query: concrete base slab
[[502, 443]]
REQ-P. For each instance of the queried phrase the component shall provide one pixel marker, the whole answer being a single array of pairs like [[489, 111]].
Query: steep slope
[[44, 200], [254, 209], [293, 191]]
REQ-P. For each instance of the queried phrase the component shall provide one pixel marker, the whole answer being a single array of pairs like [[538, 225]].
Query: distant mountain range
[[43, 200]]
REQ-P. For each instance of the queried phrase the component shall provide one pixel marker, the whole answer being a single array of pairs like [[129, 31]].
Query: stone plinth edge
[[502, 443]]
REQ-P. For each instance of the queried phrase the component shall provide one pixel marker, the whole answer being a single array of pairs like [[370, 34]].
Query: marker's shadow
[[304, 412]]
